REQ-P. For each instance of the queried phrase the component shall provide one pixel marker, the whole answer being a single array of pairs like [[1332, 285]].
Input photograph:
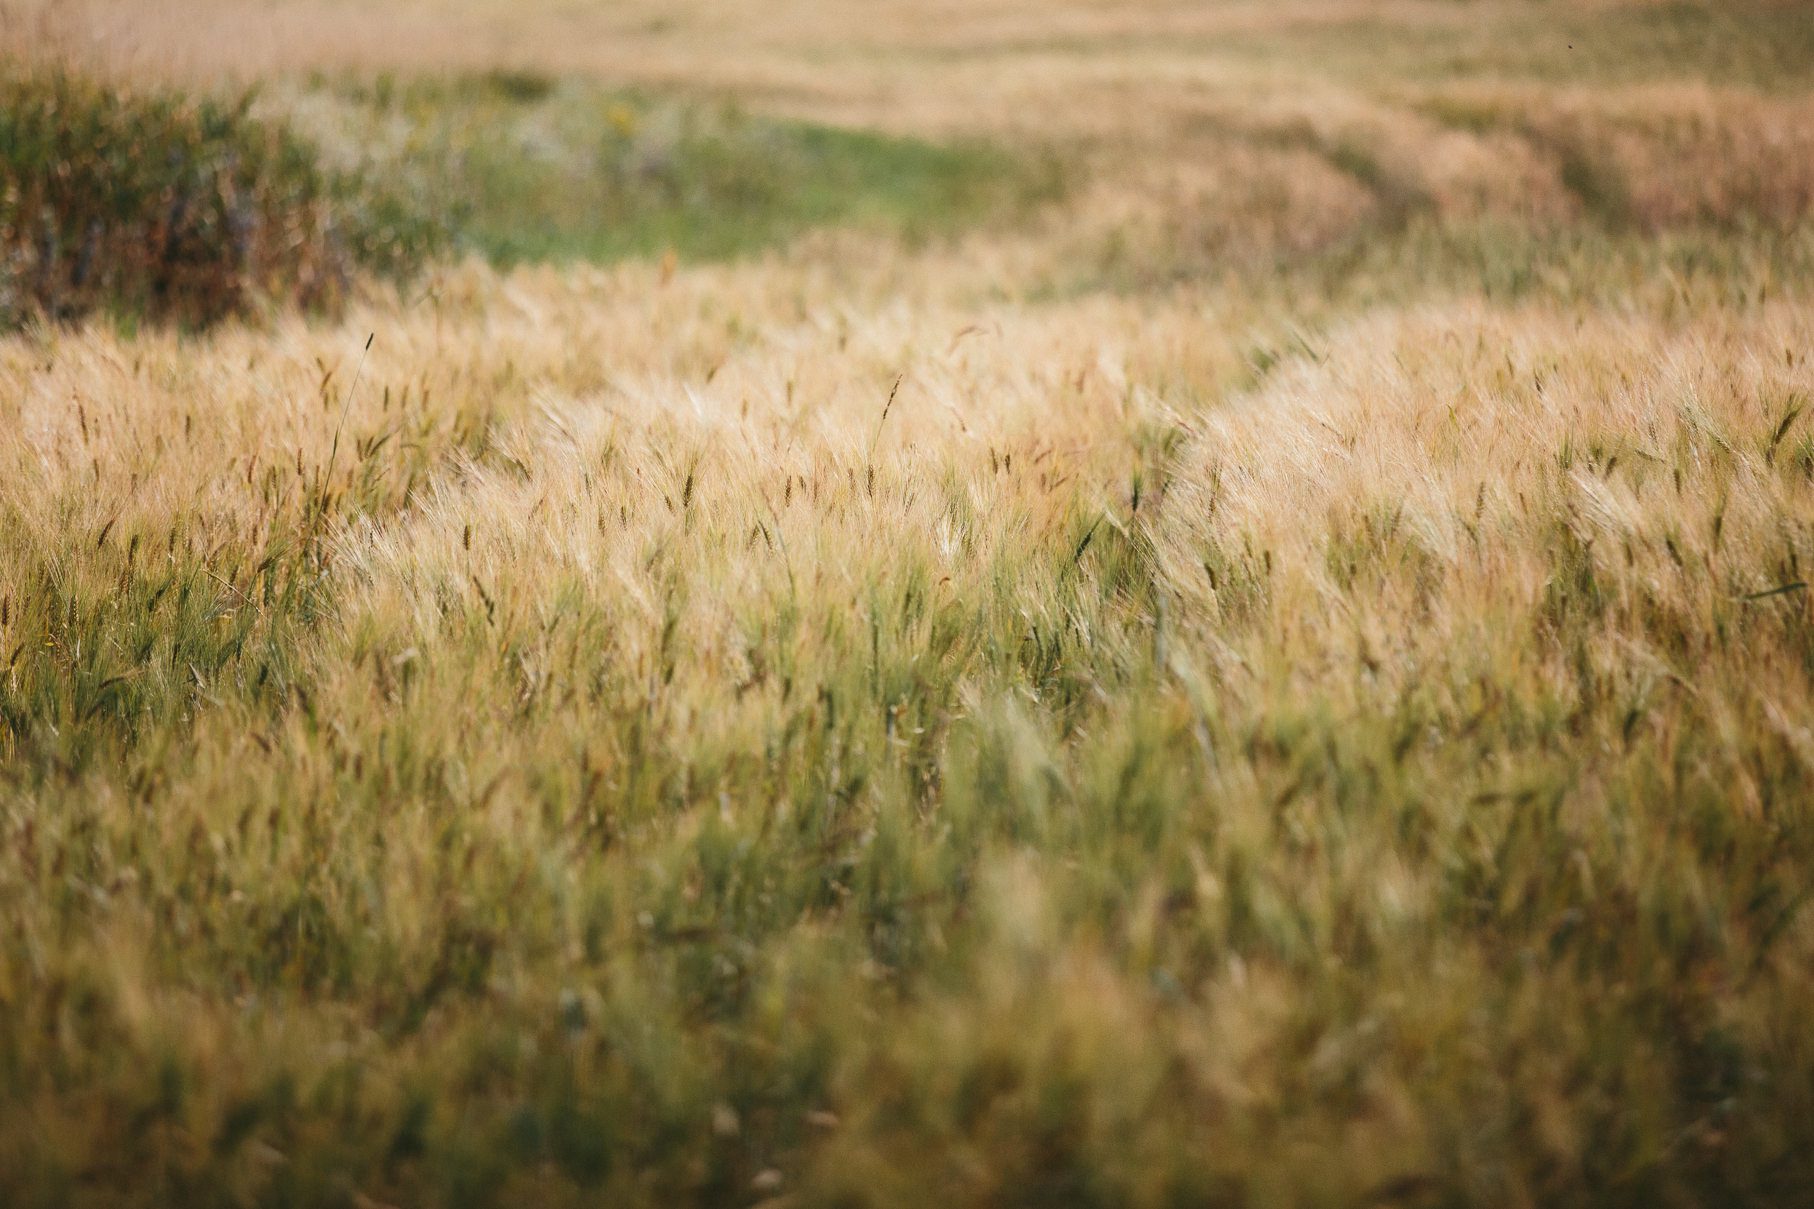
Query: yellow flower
[[622, 118]]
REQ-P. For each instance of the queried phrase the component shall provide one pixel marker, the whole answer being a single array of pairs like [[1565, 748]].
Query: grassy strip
[[534, 168]]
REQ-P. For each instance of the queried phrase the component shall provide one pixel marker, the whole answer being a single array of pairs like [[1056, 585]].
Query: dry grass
[[1284, 680]]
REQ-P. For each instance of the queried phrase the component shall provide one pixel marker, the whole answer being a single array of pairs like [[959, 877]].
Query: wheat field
[[1275, 669]]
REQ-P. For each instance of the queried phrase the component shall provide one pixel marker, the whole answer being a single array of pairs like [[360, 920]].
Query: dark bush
[[163, 207]]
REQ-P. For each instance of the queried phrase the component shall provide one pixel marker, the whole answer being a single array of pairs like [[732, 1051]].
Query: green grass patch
[[538, 169]]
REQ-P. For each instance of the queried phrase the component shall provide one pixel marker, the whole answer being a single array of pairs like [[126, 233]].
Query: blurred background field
[[831, 603]]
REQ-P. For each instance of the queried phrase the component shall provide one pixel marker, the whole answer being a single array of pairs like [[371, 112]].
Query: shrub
[[160, 206]]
